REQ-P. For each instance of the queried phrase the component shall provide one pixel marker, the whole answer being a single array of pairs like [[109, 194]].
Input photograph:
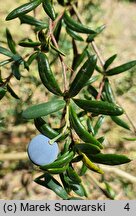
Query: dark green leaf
[[78, 189], [11, 42], [101, 139], [57, 30], [109, 61], [92, 80], [6, 52], [23, 9], [90, 126], [11, 91], [83, 170], [74, 34], [87, 148], [31, 58], [120, 122], [32, 21], [43, 109], [73, 175], [98, 30], [109, 159], [78, 59], [2, 92], [29, 44], [46, 74], [121, 68], [99, 107], [45, 129], [15, 70], [98, 124], [108, 92], [92, 90], [82, 76], [57, 50], [76, 26], [49, 9], [52, 184], [81, 130]]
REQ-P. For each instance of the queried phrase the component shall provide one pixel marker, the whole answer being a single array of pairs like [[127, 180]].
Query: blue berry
[[41, 152]]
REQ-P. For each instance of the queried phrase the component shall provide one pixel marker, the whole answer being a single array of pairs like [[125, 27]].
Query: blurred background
[[16, 171]]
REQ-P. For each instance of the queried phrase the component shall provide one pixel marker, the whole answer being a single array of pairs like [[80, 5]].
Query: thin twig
[[94, 46], [60, 57], [98, 53], [130, 121], [100, 89]]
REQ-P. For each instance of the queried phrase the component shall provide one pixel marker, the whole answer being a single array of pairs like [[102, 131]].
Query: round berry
[[41, 152]]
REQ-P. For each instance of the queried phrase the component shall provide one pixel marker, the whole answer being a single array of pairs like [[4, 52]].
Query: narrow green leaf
[[31, 58], [57, 30], [15, 70], [44, 128], [4, 62], [78, 189], [11, 91], [83, 170], [23, 9], [92, 90], [99, 107], [121, 68], [109, 61], [98, 30], [92, 80], [109, 159], [10, 41], [6, 52], [29, 44], [49, 9], [27, 19], [74, 34], [57, 50], [52, 184], [76, 26], [46, 74], [78, 59], [73, 175], [98, 124], [107, 89], [80, 129], [87, 148], [130, 139], [43, 109], [90, 126], [120, 122], [2, 92], [108, 190], [82, 76]]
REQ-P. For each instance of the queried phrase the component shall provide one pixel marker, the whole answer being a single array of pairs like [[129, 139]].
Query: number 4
[[127, 207]]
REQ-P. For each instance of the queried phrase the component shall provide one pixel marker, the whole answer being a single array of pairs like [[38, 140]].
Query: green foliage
[[76, 132]]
